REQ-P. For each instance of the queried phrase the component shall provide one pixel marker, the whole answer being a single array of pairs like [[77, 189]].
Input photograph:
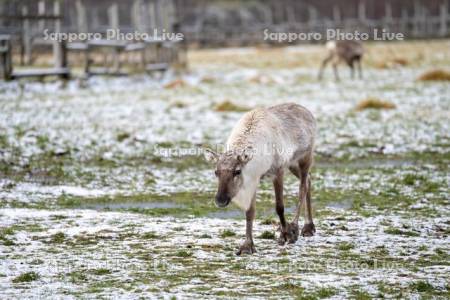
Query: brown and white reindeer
[[265, 143], [347, 51]]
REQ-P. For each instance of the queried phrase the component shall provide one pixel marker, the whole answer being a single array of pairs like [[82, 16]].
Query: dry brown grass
[[261, 58], [175, 84], [262, 79], [435, 75], [392, 63], [230, 106], [400, 61], [208, 79], [408, 53], [374, 103]]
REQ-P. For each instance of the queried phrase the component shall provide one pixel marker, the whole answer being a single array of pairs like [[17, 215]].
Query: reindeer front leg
[[279, 205], [335, 69], [248, 247], [289, 232], [360, 68], [322, 67]]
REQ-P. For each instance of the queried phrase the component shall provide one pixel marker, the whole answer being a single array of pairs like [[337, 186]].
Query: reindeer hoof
[[282, 239], [246, 248], [289, 236], [308, 229], [292, 233]]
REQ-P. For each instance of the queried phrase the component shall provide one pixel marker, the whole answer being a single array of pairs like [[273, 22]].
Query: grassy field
[[104, 192]]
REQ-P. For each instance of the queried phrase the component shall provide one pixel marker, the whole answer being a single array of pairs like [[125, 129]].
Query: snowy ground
[[103, 192]]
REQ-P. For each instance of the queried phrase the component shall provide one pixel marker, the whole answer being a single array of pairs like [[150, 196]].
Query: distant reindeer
[[350, 52], [265, 143]]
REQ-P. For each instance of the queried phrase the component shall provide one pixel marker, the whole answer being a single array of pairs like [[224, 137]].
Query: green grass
[[325, 293], [7, 231], [150, 235], [77, 276], [411, 179], [379, 252], [345, 246], [227, 106], [421, 286], [6, 241], [293, 288], [58, 238], [361, 295], [267, 235], [183, 253], [188, 203], [396, 231], [4, 233], [267, 221], [423, 248], [26, 277], [122, 136], [227, 233], [101, 271]]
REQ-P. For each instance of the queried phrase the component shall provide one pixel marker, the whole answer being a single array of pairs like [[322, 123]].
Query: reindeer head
[[229, 166]]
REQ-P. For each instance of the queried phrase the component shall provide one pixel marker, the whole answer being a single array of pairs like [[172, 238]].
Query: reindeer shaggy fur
[[265, 143], [349, 52]]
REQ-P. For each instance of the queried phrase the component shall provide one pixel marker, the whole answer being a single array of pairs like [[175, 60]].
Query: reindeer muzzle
[[222, 200]]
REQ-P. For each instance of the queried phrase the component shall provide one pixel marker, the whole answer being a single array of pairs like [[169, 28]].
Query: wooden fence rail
[[26, 21]]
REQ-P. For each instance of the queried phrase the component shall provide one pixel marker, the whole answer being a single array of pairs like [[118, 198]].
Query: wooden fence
[[203, 23], [25, 26], [209, 23]]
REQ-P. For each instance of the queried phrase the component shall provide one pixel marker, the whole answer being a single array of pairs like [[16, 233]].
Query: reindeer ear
[[246, 155], [210, 155]]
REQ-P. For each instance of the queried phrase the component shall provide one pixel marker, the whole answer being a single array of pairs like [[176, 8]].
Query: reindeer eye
[[216, 172], [237, 173]]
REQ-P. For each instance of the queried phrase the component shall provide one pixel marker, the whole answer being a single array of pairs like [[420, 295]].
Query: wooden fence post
[[404, 22], [137, 15], [290, 13], [388, 11], [82, 21], [362, 12], [152, 17], [58, 55], [5, 58], [87, 61], [41, 11], [443, 18], [417, 19], [59, 47], [336, 14], [26, 37], [95, 25], [113, 16], [312, 16]]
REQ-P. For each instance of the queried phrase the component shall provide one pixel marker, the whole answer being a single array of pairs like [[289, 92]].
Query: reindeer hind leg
[[308, 228], [324, 64], [351, 65], [305, 199], [335, 70], [359, 68]]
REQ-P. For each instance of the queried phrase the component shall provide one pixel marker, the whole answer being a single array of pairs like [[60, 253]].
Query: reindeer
[[343, 51], [265, 143]]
